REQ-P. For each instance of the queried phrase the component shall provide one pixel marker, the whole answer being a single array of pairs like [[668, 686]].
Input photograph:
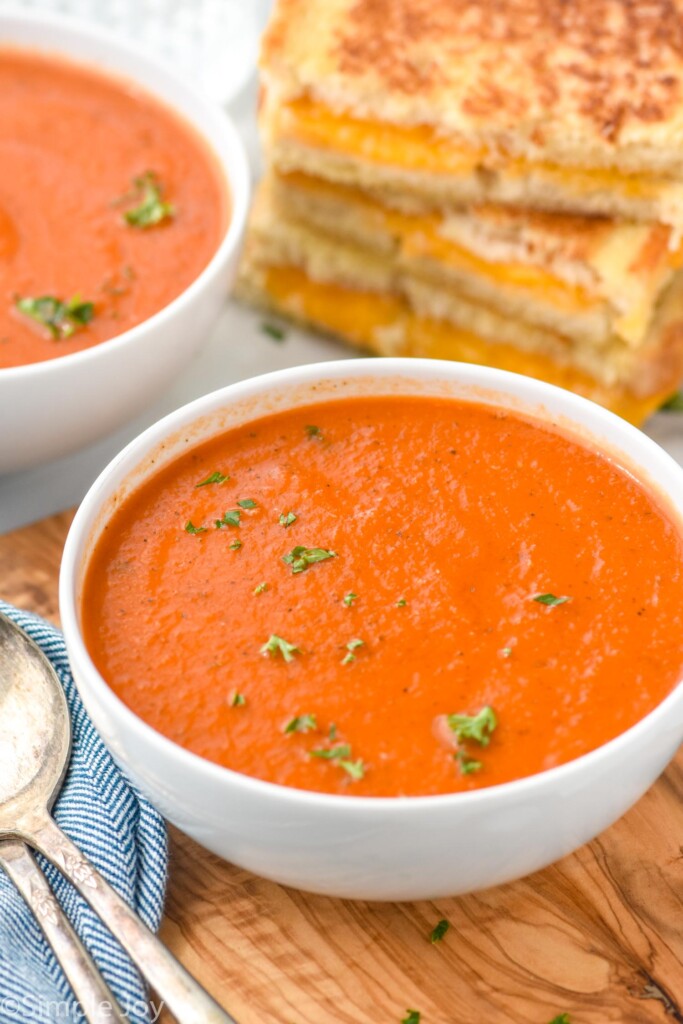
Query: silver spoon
[[35, 737], [95, 998]]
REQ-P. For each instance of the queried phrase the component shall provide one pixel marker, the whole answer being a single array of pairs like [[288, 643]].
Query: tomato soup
[[110, 206], [389, 596]]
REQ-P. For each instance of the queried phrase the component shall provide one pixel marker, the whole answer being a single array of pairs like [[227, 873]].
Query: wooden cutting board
[[598, 936]]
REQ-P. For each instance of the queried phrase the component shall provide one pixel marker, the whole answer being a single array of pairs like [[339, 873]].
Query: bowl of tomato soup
[[123, 199], [384, 629]]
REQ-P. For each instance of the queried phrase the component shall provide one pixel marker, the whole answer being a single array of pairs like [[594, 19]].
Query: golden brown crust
[[616, 67], [575, 80]]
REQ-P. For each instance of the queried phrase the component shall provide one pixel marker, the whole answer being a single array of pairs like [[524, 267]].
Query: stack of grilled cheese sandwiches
[[496, 181]]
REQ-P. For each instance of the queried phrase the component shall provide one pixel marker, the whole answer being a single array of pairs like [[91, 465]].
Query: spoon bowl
[[35, 730]]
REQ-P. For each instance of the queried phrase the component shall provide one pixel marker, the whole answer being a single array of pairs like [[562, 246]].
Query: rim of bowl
[[234, 171], [580, 413]]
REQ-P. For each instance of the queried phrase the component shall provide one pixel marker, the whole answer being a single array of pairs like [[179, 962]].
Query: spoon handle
[[96, 1000], [187, 1000]]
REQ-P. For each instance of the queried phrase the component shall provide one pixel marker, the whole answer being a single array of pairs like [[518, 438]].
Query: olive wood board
[[598, 936]]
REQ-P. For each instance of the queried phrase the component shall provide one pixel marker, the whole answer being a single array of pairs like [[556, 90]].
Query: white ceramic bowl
[[52, 408], [372, 848]]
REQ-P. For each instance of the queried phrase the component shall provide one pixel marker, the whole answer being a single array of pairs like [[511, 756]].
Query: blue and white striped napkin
[[121, 834]]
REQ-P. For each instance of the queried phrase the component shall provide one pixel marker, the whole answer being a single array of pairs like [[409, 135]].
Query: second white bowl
[[52, 408]]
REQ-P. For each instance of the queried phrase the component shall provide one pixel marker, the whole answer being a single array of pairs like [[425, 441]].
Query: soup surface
[[389, 596], [108, 201]]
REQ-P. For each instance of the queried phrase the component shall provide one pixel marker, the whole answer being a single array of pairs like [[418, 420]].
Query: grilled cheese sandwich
[[480, 180], [587, 278], [459, 101], [423, 167], [366, 298]]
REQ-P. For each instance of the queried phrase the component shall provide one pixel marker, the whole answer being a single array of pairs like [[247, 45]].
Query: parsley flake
[[276, 645], [301, 723], [287, 519], [341, 754], [260, 589], [274, 331], [236, 544], [506, 652], [439, 930], [352, 646], [413, 1017], [301, 558], [313, 432], [562, 1018], [467, 765], [247, 503], [356, 769], [401, 603], [550, 599], [150, 209], [191, 528], [230, 518], [213, 478], [236, 700], [476, 727], [62, 319], [673, 404], [349, 598], [332, 753], [332, 733]]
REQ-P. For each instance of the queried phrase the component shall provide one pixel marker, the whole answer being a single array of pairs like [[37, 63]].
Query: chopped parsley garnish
[[274, 331], [301, 558], [332, 733], [313, 432], [287, 519], [352, 646], [506, 652], [150, 209], [413, 1017], [401, 603], [562, 1018], [467, 765], [247, 503], [230, 518], [191, 528], [276, 645], [260, 589], [236, 544], [62, 319], [236, 700], [341, 754], [474, 727], [213, 478], [439, 930], [550, 599], [673, 404], [356, 769], [301, 723], [349, 598], [332, 753]]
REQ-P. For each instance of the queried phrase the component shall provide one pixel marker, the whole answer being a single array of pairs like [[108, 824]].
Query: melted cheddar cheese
[[385, 324], [422, 148]]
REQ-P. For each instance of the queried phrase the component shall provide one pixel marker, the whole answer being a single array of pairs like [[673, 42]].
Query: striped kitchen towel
[[122, 835]]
